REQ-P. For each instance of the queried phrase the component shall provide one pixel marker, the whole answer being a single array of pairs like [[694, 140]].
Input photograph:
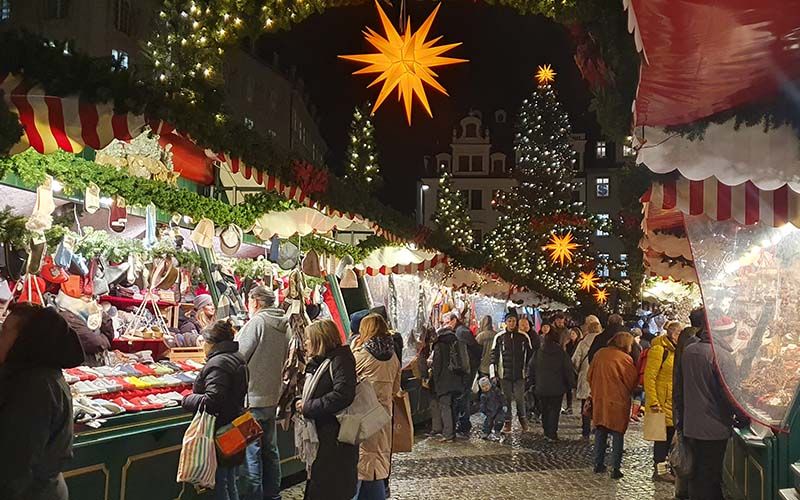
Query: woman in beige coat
[[580, 360], [377, 363]]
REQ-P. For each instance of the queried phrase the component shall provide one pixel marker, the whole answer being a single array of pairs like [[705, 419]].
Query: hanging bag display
[[198, 461]]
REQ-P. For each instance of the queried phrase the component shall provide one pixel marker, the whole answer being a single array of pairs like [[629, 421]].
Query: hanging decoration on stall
[[141, 156], [561, 248], [405, 61], [588, 281], [601, 296]]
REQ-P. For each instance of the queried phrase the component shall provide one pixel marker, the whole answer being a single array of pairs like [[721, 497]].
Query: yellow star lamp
[[601, 296], [545, 75], [404, 61], [588, 281], [561, 248]]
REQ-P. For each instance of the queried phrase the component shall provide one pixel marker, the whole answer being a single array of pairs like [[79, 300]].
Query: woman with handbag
[[377, 363], [331, 387], [220, 390]]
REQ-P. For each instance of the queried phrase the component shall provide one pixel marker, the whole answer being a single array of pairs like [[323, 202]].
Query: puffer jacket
[[551, 372], [658, 376], [221, 385], [511, 353], [376, 361]]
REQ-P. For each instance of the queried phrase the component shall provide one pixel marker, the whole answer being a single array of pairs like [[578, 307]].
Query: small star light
[[561, 248], [601, 296], [545, 75], [587, 281], [404, 61]]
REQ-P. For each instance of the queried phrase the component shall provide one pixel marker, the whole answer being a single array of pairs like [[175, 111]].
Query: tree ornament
[[561, 248], [588, 281], [545, 76], [404, 61]]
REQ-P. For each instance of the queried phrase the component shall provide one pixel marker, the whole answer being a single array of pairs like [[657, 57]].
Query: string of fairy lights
[[452, 214], [362, 157]]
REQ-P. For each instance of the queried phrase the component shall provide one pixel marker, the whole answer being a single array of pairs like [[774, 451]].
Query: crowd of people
[[519, 369]]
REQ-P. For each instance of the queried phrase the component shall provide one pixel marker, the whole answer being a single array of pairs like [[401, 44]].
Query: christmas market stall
[[720, 134]]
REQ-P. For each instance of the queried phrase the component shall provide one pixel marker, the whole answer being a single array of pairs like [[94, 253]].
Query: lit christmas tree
[[538, 216], [452, 215], [362, 158]]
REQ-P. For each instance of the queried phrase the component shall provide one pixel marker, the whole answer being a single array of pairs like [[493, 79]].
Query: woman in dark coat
[[35, 403], [334, 471], [220, 389], [552, 376]]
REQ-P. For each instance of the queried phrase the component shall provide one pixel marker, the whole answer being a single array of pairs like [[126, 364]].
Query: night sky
[[503, 47]]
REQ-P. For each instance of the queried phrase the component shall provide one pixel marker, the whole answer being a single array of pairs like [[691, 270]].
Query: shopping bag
[[680, 457], [198, 460], [655, 426], [402, 425]]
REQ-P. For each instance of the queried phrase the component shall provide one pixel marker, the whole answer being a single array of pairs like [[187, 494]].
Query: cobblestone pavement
[[524, 467]]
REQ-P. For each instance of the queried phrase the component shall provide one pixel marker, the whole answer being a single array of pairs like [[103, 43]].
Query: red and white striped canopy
[[436, 261], [744, 203]]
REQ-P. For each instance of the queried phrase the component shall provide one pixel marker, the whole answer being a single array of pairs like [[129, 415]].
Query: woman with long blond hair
[[377, 363], [330, 387]]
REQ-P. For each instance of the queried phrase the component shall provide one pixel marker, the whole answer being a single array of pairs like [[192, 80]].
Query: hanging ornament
[[404, 61], [588, 281], [561, 248], [601, 296], [545, 75]]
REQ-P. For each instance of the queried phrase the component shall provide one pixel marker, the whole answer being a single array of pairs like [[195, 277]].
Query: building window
[[463, 194], [463, 163], [477, 236], [476, 199], [5, 10], [120, 58], [601, 149], [498, 166], [122, 16], [603, 220], [477, 163], [623, 259], [500, 116], [603, 257], [471, 130], [248, 123], [55, 9], [627, 148], [602, 187]]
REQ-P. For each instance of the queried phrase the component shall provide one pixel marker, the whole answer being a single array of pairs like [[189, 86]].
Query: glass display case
[[750, 280]]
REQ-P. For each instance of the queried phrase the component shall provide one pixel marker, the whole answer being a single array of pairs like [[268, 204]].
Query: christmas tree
[[362, 157], [542, 235], [452, 215]]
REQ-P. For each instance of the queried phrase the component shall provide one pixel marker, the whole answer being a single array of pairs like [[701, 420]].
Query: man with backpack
[[449, 371], [511, 352], [468, 344]]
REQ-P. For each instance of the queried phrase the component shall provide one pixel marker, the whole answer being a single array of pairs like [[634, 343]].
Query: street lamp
[[421, 203]]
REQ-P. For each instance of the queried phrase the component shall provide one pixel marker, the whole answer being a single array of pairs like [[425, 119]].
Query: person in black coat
[[447, 384], [334, 472], [461, 407], [35, 403], [220, 390], [552, 375]]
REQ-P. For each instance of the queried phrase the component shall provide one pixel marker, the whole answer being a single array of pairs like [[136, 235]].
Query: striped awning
[[436, 261], [64, 123], [745, 203]]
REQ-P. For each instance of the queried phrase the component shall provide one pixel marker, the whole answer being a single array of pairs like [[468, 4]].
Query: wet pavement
[[525, 467]]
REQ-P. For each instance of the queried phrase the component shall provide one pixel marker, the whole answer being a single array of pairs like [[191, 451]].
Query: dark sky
[[504, 49]]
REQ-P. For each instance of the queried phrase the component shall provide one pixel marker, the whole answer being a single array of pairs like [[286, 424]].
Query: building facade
[[481, 157], [262, 95]]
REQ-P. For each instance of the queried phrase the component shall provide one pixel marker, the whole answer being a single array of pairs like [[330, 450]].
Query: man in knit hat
[[511, 351], [264, 342]]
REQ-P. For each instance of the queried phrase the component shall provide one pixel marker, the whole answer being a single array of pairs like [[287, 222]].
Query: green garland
[[10, 128], [75, 173]]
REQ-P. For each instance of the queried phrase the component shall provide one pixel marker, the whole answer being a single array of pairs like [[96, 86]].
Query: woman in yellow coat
[[376, 362], [658, 393]]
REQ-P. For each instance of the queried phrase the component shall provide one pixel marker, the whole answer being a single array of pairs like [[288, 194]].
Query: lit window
[[122, 16], [603, 257], [602, 187], [5, 10], [623, 258], [601, 149], [476, 199], [627, 148], [120, 58], [248, 123], [603, 220], [55, 9]]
